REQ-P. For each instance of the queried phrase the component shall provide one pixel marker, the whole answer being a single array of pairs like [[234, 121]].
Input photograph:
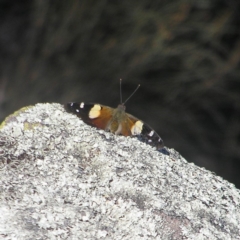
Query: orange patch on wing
[[126, 127], [103, 119]]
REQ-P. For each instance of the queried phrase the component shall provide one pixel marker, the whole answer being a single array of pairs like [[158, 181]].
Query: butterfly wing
[[95, 115], [149, 136], [145, 133]]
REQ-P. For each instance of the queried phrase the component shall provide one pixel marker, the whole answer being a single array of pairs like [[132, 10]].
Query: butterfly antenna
[[120, 90], [132, 94]]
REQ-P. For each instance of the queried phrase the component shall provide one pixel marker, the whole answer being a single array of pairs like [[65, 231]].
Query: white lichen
[[61, 179]]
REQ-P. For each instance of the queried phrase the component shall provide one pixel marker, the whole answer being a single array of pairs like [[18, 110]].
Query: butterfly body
[[115, 120]]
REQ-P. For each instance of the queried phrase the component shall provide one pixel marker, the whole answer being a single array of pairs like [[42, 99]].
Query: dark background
[[185, 54]]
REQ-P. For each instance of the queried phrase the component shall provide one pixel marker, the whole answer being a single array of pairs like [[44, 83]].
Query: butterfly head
[[121, 107]]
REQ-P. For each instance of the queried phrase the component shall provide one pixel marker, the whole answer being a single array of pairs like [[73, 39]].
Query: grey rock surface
[[61, 179]]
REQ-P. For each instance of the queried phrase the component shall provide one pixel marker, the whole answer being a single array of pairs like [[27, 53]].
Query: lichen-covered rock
[[61, 179]]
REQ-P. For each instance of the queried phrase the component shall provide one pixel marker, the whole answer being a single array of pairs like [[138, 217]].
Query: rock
[[62, 179]]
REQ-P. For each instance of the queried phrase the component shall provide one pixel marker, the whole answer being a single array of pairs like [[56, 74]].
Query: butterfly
[[115, 120]]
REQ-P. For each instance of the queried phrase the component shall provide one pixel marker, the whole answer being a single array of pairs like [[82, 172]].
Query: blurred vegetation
[[185, 54]]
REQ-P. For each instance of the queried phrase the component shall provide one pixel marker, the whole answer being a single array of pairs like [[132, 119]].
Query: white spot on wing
[[77, 110], [95, 111], [137, 128], [151, 133], [82, 105]]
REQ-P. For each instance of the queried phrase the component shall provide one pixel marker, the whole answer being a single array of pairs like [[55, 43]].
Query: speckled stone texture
[[61, 179]]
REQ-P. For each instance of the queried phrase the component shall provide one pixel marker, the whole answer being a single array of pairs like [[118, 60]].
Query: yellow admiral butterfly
[[115, 120]]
